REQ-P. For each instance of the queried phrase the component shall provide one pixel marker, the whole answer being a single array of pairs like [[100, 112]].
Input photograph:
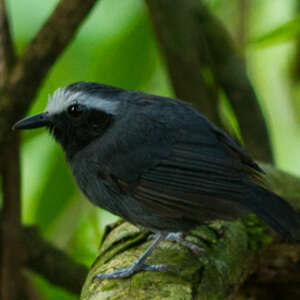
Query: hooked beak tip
[[36, 121]]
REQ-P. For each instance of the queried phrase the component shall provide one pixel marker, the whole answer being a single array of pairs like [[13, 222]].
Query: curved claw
[[127, 272], [120, 273], [138, 265]]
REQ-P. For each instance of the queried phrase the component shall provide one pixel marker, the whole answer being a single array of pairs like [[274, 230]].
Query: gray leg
[[179, 238], [138, 265]]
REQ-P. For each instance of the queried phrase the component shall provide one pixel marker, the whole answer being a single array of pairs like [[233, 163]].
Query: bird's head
[[77, 114]]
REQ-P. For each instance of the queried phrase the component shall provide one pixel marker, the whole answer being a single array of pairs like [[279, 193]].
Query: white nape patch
[[62, 99]]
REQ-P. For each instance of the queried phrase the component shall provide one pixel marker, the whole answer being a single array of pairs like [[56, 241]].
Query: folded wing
[[199, 180]]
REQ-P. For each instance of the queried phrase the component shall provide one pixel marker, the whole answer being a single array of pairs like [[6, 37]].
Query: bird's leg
[[138, 265], [180, 238]]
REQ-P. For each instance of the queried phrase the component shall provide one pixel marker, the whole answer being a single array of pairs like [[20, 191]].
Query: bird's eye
[[75, 110]]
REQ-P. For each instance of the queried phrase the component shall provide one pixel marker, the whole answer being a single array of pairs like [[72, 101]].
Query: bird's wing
[[201, 178]]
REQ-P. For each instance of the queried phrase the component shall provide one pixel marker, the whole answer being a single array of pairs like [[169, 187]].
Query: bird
[[158, 163]]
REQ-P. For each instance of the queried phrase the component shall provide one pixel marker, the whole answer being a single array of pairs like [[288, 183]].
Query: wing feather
[[185, 168], [195, 184]]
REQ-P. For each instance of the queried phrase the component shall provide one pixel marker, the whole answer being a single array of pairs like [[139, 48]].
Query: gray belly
[[100, 194], [100, 191]]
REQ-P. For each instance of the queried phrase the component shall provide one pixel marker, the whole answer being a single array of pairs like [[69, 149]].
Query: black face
[[78, 126], [73, 128]]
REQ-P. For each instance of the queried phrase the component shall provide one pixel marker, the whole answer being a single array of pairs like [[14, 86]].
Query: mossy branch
[[225, 270]]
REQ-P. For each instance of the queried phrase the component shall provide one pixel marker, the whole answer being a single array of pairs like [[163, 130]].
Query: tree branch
[[242, 22], [231, 75], [13, 253], [53, 264], [177, 31], [12, 285], [7, 53], [277, 275], [197, 46], [232, 250]]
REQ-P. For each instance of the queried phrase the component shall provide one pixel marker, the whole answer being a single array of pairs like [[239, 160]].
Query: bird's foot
[[127, 272], [179, 238]]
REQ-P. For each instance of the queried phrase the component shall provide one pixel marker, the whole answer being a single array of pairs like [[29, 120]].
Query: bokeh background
[[116, 45]]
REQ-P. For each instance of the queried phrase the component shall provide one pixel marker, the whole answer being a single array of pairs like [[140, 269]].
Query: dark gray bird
[[156, 162]]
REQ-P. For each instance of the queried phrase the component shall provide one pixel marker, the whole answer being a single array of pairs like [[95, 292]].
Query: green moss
[[109, 285], [256, 231], [204, 276]]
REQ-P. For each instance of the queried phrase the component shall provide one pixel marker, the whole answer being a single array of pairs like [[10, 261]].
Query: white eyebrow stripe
[[110, 107], [60, 100], [63, 98]]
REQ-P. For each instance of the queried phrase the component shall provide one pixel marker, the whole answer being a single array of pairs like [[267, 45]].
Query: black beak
[[32, 122]]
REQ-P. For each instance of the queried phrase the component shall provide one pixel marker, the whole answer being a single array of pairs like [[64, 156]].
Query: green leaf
[[282, 34], [132, 52], [48, 291], [58, 190]]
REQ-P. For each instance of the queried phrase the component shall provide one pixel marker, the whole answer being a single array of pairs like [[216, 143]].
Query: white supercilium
[[63, 98]]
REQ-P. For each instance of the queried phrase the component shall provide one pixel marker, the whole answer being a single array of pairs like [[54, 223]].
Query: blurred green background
[[116, 45]]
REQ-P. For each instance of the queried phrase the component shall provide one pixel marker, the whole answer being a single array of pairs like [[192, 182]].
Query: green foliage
[[49, 291], [281, 34], [256, 230], [228, 118], [116, 45]]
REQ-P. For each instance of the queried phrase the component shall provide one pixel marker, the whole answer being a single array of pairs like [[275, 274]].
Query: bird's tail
[[275, 211]]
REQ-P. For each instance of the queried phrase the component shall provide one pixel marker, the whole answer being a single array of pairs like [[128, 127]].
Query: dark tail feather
[[275, 211]]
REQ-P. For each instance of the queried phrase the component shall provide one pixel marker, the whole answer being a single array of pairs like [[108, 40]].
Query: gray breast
[[95, 182]]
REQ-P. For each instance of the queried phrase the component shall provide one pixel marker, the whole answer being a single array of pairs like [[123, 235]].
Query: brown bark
[[7, 53], [13, 254], [242, 23], [184, 47], [51, 263], [278, 274], [12, 257], [44, 259]]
